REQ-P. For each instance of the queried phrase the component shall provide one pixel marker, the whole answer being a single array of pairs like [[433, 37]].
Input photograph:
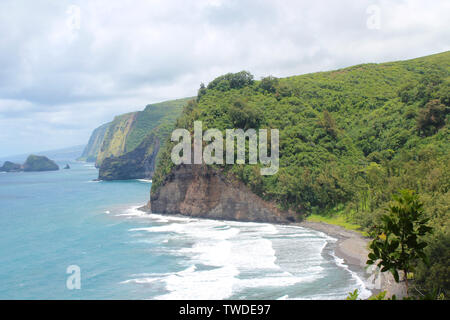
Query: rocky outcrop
[[39, 163], [9, 166], [204, 192], [137, 164], [33, 163]]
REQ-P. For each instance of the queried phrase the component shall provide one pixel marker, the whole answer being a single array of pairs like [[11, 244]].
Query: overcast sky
[[66, 67]]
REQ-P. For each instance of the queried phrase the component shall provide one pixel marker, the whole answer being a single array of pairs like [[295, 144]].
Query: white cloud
[[62, 75]]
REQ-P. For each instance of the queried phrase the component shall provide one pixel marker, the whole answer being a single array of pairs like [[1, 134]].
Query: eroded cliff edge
[[137, 164], [204, 192]]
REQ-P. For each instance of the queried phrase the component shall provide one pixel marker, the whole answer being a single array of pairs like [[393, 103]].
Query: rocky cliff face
[[202, 191], [114, 142], [137, 164]]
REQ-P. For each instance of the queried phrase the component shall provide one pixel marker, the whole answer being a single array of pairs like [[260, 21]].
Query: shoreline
[[351, 246]]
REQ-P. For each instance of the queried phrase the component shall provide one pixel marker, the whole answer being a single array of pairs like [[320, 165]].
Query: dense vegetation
[[398, 243], [160, 116], [349, 139]]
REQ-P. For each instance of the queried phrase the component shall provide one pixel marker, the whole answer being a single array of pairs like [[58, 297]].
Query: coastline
[[351, 246]]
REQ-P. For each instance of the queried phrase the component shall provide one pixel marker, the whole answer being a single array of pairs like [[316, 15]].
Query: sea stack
[[9, 166], [39, 163]]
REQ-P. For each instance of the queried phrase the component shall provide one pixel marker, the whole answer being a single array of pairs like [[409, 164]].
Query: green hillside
[[128, 131], [349, 138], [159, 115], [114, 142]]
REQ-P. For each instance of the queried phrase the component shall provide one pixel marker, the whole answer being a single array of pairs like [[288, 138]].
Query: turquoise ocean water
[[52, 220]]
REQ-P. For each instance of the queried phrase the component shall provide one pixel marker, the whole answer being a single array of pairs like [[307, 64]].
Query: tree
[[201, 91], [329, 124], [268, 84], [232, 81], [431, 118], [397, 243], [436, 277], [243, 116]]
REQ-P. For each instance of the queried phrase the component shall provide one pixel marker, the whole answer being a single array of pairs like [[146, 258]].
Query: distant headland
[[33, 163]]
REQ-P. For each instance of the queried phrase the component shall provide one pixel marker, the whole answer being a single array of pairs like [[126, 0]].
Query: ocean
[[50, 221]]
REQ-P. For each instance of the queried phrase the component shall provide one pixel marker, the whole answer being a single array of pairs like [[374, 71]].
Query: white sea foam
[[133, 212], [166, 228], [145, 180], [240, 256], [221, 245], [140, 280], [194, 285], [364, 293], [272, 281]]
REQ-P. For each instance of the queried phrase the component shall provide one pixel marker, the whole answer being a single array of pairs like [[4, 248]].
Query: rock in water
[[9, 166], [67, 166], [39, 163]]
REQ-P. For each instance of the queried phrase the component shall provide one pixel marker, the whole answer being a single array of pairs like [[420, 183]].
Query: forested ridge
[[349, 139]]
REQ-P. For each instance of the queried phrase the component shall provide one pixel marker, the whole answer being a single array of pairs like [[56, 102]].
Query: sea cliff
[[95, 142], [127, 147], [137, 164], [349, 139], [202, 191]]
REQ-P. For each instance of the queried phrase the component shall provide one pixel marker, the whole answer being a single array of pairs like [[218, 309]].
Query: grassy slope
[[127, 131], [115, 137], [337, 219], [159, 115]]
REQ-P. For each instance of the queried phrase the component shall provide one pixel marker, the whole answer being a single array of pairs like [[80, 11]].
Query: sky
[[66, 67]]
